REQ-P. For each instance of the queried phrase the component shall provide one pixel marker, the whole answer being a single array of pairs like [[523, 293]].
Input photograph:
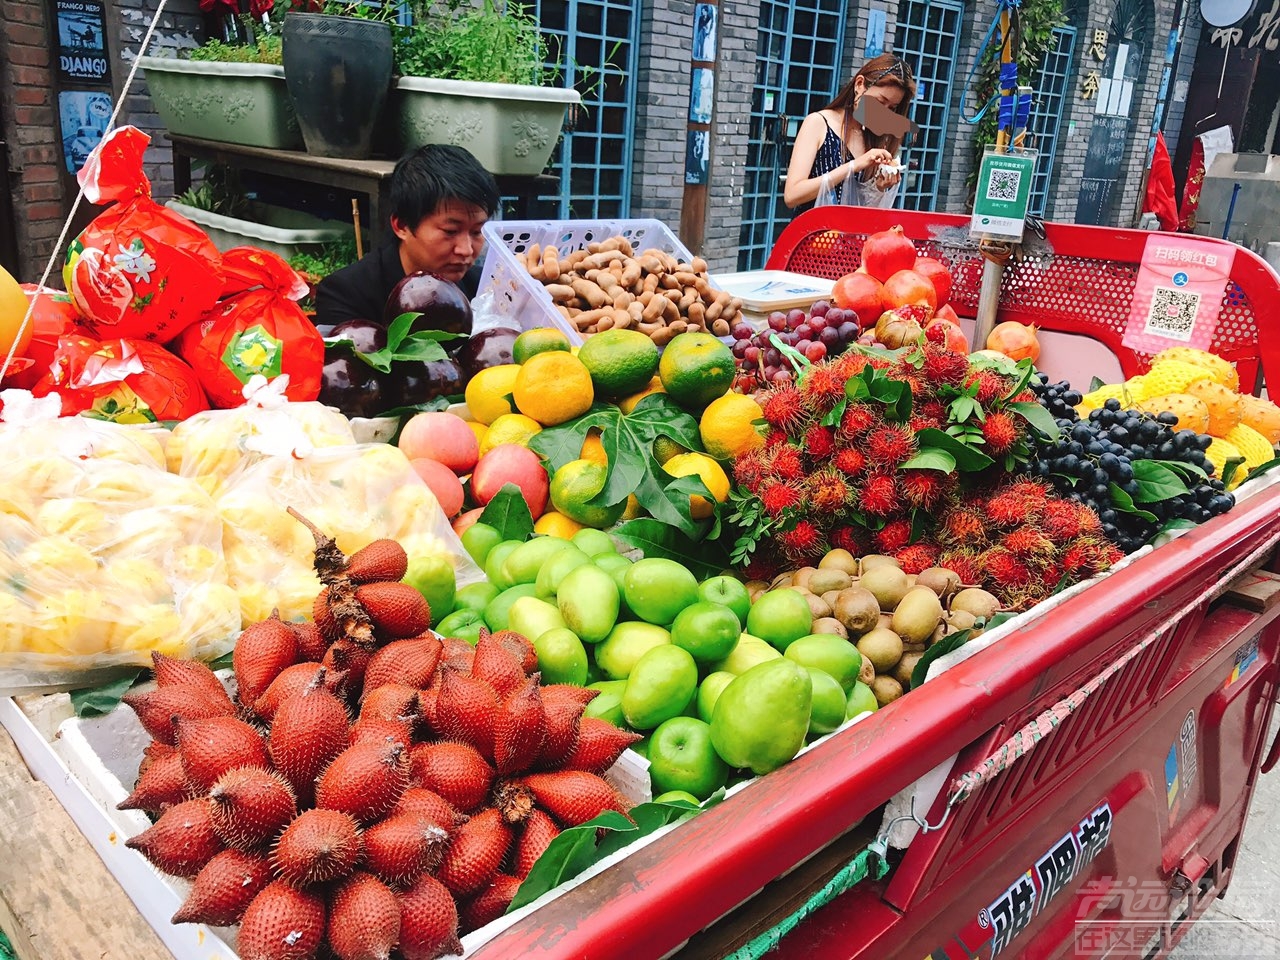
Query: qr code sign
[[1172, 313], [1004, 185]]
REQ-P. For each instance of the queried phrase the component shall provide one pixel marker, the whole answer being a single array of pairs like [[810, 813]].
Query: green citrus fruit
[[620, 361], [696, 368], [572, 488], [537, 341]]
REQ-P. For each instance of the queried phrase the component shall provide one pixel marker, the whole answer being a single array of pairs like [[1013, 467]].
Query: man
[[440, 199]]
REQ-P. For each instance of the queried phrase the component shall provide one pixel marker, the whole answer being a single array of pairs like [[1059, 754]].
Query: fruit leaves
[[1122, 502], [1037, 417], [944, 646], [628, 441], [508, 513], [660, 540], [966, 457], [96, 701], [424, 345], [893, 395], [1156, 482]]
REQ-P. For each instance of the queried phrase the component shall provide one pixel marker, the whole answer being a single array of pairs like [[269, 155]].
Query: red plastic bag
[[55, 316], [128, 381], [258, 329], [139, 270]]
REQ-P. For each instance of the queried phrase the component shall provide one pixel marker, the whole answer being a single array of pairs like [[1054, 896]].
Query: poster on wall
[[82, 51], [701, 94], [704, 32], [697, 156], [84, 120]]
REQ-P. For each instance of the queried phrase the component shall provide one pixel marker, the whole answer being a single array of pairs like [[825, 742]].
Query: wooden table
[[368, 178]]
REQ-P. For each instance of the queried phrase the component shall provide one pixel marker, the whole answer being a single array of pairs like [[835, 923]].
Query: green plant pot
[[227, 102], [267, 227], [510, 129]]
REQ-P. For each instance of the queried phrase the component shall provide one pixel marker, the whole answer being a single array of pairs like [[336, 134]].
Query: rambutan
[[1025, 542], [893, 536], [919, 422], [1003, 569], [923, 488], [889, 446], [751, 467], [801, 542], [849, 365], [962, 526], [774, 438], [934, 410], [819, 442], [850, 462], [848, 538], [1000, 432], [1023, 396], [879, 495], [920, 556], [1088, 555], [1061, 520], [777, 497], [963, 563], [1033, 490], [990, 385], [760, 569], [856, 421], [827, 492], [787, 464], [943, 366], [784, 408], [823, 387], [1005, 508]]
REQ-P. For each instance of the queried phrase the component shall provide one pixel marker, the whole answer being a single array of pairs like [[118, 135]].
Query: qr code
[[1173, 313], [1004, 185]]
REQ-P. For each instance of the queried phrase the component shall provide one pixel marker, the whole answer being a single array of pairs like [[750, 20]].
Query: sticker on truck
[[1245, 658], [995, 926]]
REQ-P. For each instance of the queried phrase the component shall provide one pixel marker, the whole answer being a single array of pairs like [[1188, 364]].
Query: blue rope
[[968, 82]]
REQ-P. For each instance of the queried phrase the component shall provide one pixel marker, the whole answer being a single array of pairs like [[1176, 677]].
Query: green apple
[[557, 568], [828, 703], [478, 539], [497, 615], [627, 643], [682, 757], [761, 718], [432, 576], [588, 600], [709, 691], [607, 704], [861, 700], [657, 589], [524, 562], [475, 596], [494, 562], [749, 652], [659, 686], [533, 617], [730, 592], [463, 624], [829, 653], [779, 617], [610, 562], [673, 795], [562, 658], [707, 630], [594, 542]]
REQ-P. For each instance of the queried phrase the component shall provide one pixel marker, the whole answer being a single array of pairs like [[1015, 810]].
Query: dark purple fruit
[[442, 304], [488, 348], [417, 381], [354, 387], [365, 335]]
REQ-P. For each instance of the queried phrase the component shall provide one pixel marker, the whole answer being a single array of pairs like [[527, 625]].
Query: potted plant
[[338, 67], [232, 93], [475, 76]]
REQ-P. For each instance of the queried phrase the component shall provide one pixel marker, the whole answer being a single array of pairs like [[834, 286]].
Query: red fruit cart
[[1105, 751]]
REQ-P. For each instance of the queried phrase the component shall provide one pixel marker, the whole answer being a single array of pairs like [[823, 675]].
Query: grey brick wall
[[731, 125], [662, 110]]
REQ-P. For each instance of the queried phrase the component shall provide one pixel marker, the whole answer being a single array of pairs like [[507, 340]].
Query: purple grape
[[739, 348], [819, 309], [772, 357], [804, 331], [781, 376], [752, 355], [743, 332], [848, 331], [796, 317], [836, 316], [816, 351], [802, 345], [830, 336], [778, 320], [818, 323]]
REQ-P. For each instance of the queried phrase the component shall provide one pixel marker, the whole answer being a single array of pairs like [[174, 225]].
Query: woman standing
[[832, 142]]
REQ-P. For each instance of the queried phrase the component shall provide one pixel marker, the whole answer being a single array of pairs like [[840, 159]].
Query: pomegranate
[[887, 252], [898, 327], [908, 288], [947, 334], [947, 312], [1015, 340], [861, 293], [940, 276]]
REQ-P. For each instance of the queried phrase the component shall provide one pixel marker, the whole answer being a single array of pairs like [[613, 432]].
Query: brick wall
[[731, 125], [662, 110], [35, 151]]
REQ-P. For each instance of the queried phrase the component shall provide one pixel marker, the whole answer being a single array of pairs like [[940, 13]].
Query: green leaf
[[833, 416], [657, 539], [1156, 482], [1025, 371], [998, 619], [967, 458], [425, 351], [508, 513], [1037, 417], [1124, 503], [224, 662], [856, 389], [399, 329], [96, 701], [944, 646], [1263, 468], [931, 458], [1185, 470], [1097, 383], [1175, 523], [1230, 469]]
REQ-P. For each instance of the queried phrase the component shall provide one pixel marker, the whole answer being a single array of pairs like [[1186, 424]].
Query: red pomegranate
[[947, 312], [906, 287], [953, 337], [888, 252], [861, 293], [1015, 340], [937, 272]]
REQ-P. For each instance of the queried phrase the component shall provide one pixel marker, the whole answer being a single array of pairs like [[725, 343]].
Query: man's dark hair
[[435, 174]]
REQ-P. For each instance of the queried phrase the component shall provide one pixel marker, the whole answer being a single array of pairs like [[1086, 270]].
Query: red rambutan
[[784, 408], [1007, 509], [827, 492], [1026, 542], [848, 538], [1003, 569], [760, 569], [889, 446], [777, 497], [823, 386], [990, 385], [751, 467], [856, 420], [943, 366], [934, 410], [1061, 520], [919, 422], [879, 495], [819, 442], [850, 462], [964, 563], [1000, 432], [962, 527], [849, 365], [917, 557], [923, 488], [1033, 490], [801, 542], [774, 438], [1088, 555], [787, 464], [893, 536], [1023, 396]]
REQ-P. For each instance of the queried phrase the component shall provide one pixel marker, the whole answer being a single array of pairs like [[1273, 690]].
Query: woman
[[833, 143]]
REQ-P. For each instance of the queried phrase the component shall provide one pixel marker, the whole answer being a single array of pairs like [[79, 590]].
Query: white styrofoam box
[[764, 291], [522, 302]]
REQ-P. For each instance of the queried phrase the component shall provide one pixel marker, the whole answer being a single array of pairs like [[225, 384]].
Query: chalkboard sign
[[1094, 200], [1107, 144]]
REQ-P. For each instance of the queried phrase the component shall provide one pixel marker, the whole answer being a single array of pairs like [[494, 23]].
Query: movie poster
[[84, 120], [82, 42]]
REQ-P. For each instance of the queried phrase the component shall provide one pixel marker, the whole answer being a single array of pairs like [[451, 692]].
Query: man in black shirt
[[440, 199]]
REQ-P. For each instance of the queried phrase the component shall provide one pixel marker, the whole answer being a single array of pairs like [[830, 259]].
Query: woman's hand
[[872, 158], [887, 180]]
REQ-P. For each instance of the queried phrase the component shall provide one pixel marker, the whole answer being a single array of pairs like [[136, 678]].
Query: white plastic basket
[[522, 302]]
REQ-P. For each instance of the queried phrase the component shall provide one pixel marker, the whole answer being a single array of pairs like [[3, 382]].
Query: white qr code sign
[[1003, 194], [1003, 185], [1178, 293]]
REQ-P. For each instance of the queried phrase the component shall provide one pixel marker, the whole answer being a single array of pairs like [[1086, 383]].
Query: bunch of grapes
[[1058, 398], [825, 331], [1093, 457]]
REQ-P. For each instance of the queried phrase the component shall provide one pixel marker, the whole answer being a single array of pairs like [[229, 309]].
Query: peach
[[444, 483], [465, 520], [510, 463], [441, 437]]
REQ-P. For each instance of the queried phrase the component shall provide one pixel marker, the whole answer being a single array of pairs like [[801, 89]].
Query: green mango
[[524, 562], [475, 596], [659, 687], [617, 654], [563, 659], [861, 700], [709, 691], [749, 652], [463, 624], [497, 615], [828, 703], [762, 716], [533, 617], [588, 600], [496, 559], [594, 542], [608, 703], [557, 568], [833, 655]]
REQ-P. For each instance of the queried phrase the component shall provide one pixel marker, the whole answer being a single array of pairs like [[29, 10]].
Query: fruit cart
[[1096, 766]]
